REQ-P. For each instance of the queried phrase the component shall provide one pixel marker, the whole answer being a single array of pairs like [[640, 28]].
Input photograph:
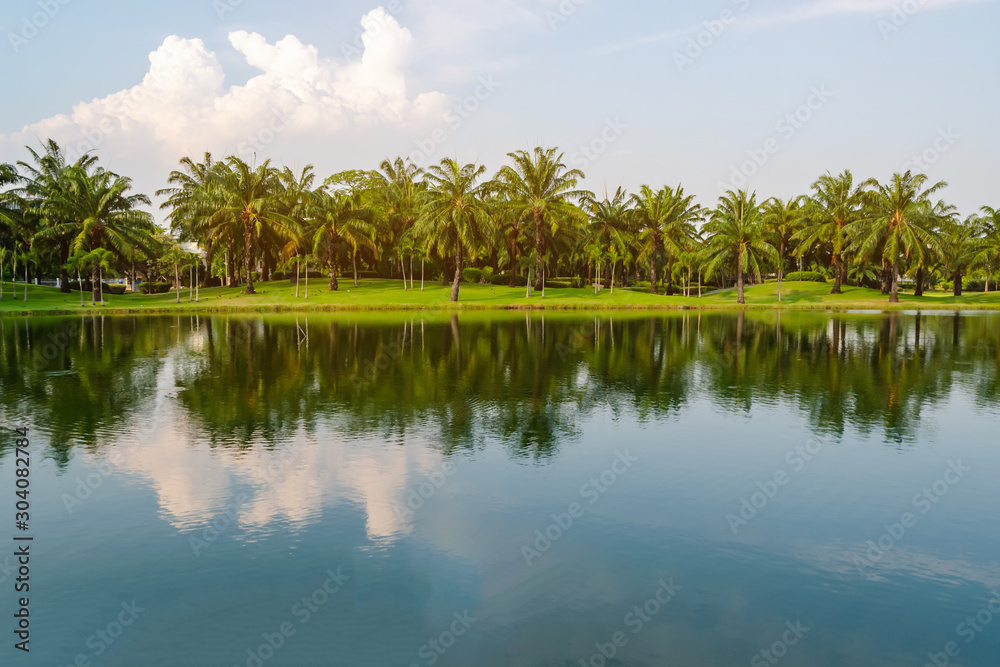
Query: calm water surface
[[507, 489]]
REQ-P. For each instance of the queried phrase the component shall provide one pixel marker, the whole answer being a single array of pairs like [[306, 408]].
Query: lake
[[559, 489]]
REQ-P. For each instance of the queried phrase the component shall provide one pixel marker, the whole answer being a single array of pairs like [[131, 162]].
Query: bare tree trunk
[[739, 281], [652, 274], [249, 260], [458, 273], [919, 291], [538, 247], [894, 296]]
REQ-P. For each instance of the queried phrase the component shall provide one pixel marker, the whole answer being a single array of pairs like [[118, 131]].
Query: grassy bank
[[389, 295]]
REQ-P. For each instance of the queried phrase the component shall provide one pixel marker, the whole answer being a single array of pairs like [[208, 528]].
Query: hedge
[[807, 276], [519, 281], [155, 288], [108, 289]]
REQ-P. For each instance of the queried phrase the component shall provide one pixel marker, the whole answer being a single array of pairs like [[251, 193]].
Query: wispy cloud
[[808, 11]]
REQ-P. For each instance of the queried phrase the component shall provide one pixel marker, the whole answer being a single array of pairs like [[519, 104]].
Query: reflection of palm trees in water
[[528, 381]]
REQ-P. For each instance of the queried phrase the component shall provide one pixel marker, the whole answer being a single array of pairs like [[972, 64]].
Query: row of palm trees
[[529, 219]]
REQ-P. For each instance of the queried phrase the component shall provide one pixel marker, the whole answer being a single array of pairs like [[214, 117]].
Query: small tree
[[76, 263]]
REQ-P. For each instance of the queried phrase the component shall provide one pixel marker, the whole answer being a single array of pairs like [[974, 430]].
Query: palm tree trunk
[[458, 273], [670, 276], [652, 275], [100, 281], [249, 260], [334, 283], [894, 296], [26, 281], [13, 280], [513, 263], [837, 264], [93, 285], [613, 265], [919, 291], [699, 284], [307, 280], [63, 272], [80, 281], [402, 270], [191, 286], [739, 280], [421, 274], [296, 277], [543, 280], [177, 284], [411, 272], [354, 262], [538, 248], [957, 283]]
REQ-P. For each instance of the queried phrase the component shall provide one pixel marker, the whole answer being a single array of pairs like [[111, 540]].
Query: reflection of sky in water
[[319, 500]]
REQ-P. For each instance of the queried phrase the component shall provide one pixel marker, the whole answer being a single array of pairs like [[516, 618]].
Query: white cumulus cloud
[[182, 106]]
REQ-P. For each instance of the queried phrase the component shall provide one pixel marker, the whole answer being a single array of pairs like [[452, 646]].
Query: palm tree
[[539, 187], [46, 194], [249, 200], [611, 221], [400, 195], [76, 263], [736, 238], [105, 215], [830, 211], [455, 215], [339, 218], [176, 257], [666, 227], [187, 198], [101, 259], [782, 219], [3, 260], [985, 251], [899, 220]]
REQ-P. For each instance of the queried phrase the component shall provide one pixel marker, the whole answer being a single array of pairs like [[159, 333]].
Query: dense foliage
[[525, 226]]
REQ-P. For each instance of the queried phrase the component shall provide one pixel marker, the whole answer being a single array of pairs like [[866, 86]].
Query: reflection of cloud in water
[[287, 486]]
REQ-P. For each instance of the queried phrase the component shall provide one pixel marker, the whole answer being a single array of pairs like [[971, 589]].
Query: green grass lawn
[[389, 295]]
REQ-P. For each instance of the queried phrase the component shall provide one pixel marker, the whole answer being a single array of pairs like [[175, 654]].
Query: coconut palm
[[539, 187], [900, 221], [665, 220], [611, 222], [339, 219], [188, 203], [985, 251], [835, 205], [782, 219], [77, 263], [176, 257], [100, 258], [737, 239], [248, 201], [455, 217]]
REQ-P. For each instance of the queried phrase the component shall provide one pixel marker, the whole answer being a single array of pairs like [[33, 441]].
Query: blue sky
[[762, 94]]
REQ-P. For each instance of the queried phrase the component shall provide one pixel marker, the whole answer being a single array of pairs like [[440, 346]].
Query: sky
[[759, 94]]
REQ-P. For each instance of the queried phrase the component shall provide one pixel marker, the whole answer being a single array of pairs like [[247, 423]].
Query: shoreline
[[385, 296], [482, 308]]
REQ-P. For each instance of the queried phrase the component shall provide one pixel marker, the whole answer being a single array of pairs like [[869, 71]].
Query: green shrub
[[556, 284], [807, 276], [472, 275], [74, 286], [155, 288], [504, 280]]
